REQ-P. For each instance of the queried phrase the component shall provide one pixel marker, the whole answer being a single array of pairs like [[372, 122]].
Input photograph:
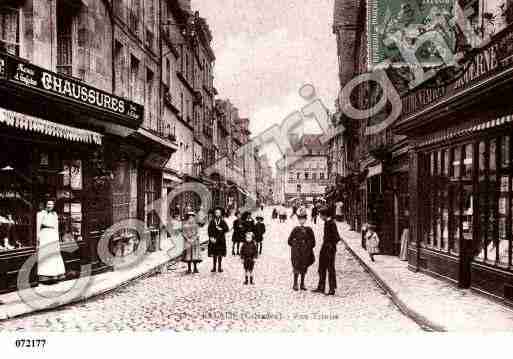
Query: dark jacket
[[249, 251], [249, 226], [219, 247], [302, 243], [315, 212], [329, 242], [238, 231], [259, 231]]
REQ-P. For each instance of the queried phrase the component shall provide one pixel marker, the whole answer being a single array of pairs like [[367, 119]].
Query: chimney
[[185, 5]]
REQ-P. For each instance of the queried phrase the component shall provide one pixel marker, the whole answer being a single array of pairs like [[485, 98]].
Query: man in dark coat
[[315, 213], [259, 233], [328, 253], [217, 230], [302, 243]]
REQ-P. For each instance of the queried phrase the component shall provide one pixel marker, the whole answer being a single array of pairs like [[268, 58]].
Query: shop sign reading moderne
[[43, 80], [495, 57]]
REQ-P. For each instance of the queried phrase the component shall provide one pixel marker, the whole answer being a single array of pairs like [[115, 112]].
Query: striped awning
[[465, 130], [34, 124]]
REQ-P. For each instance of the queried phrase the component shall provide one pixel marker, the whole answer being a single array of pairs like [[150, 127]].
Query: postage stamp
[[424, 27]]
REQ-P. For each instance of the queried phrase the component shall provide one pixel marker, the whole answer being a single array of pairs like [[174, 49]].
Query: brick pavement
[[219, 302], [433, 302]]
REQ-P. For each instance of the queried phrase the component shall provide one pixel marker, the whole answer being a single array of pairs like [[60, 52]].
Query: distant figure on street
[[328, 253], [275, 213], [302, 243], [248, 255], [248, 223], [372, 241], [217, 230], [192, 254], [238, 233], [259, 233], [283, 214], [338, 210], [294, 211], [315, 213]]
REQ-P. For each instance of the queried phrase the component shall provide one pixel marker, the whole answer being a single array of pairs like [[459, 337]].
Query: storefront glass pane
[[505, 155], [467, 162], [482, 160], [456, 163], [456, 227], [445, 155]]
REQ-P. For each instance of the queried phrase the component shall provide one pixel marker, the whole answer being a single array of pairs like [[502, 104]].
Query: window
[[134, 76], [298, 176], [167, 76], [321, 176], [149, 97], [133, 21], [306, 176], [10, 30], [298, 188], [64, 40]]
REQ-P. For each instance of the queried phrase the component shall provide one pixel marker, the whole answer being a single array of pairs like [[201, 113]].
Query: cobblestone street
[[206, 301]]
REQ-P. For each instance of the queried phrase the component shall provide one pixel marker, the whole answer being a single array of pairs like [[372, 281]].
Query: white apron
[[50, 262]]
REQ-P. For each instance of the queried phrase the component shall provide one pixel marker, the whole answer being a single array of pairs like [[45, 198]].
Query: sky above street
[[267, 49]]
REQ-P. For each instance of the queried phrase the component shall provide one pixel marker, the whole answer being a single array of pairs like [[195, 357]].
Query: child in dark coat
[[259, 233], [248, 255], [238, 233]]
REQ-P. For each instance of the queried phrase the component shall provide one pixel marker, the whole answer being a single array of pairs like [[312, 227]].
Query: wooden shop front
[[56, 135], [460, 183]]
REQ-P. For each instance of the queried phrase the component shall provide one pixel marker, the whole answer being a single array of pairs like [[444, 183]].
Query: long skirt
[[50, 262], [192, 251]]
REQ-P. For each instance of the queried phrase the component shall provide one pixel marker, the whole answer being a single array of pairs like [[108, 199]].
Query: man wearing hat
[[328, 252]]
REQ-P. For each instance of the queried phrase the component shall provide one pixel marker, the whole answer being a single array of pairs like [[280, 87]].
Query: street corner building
[[442, 173], [80, 122]]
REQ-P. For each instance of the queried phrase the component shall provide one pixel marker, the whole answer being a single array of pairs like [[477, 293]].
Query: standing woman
[[192, 254], [217, 230], [302, 243], [238, 233], [50, 263], [315, 213]]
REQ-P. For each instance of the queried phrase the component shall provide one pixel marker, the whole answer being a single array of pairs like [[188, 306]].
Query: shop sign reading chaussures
[[35, 77]]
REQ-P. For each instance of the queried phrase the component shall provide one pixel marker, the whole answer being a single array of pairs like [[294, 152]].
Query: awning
[[171, 178], [465, 129], [34, 124]]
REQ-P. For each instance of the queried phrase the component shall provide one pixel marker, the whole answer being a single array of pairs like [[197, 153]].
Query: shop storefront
[[460, 183], [56, 137]]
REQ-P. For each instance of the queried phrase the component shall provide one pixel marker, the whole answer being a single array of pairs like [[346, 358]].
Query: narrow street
[[220, 302]]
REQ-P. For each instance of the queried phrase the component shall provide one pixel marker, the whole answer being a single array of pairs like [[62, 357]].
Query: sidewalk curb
[[418, 318], [156, 269]]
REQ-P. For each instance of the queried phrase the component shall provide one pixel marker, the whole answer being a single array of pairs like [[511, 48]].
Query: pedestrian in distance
[[275, 213], [315, 213], [259, 233], [248, 255], [301, 242], [217, 230], [238, 233], [190, 235], [372, 241], [328, 252], [283, 214], [248, 223]]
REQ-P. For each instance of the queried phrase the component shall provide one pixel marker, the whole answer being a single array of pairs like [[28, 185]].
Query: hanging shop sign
[[34, 77], [494, 58]]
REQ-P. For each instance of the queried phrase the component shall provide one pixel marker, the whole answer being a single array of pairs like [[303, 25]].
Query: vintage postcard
[[337, 167]]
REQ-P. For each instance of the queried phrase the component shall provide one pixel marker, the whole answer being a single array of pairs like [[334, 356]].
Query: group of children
[[251, 235]]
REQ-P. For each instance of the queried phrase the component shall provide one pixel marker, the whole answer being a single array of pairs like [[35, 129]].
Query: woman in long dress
[[50, 263], [372, 241], [192, 254], [302, 243]]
